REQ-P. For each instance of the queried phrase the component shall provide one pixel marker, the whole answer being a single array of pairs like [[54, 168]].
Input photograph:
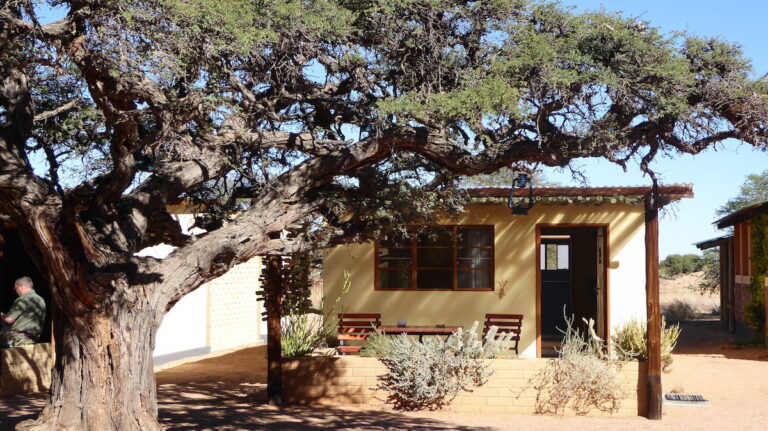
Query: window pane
[[562, 256], [475, 279], [543, 256], [394, 257], [474, 236], [551, 256], [475, 258], [436, 236], [430, 279], [394, 279], [434, 257]]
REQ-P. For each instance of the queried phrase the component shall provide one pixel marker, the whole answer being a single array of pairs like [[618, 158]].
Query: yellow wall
[[515, 256]]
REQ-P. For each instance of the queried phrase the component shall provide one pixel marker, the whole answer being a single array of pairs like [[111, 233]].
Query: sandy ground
[[227, 393]]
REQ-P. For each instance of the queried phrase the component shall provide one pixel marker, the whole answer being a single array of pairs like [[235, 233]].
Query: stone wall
[[345, 380], [25, 369]]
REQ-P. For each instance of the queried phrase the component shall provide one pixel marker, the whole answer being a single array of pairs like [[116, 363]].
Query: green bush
[[303, 332], [580, 378], [429, 374], [629, 341]]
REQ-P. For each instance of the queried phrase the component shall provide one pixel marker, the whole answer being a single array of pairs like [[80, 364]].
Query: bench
[[356, 327], [506, 323]]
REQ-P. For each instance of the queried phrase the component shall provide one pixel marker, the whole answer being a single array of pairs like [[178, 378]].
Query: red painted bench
[[505, 323], [356, 327]]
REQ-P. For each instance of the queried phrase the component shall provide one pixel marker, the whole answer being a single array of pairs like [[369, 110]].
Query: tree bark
[[103, 378]]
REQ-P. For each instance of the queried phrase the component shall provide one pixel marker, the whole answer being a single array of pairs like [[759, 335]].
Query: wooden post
[[652, 303], [273, 289]]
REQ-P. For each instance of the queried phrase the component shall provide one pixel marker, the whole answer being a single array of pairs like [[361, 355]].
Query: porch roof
[[712, 242], [588, 195], [743, 215]]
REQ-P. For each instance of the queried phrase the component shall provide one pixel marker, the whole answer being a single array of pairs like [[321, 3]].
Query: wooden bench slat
[[500, 324], [360, 316], [352, 337], [349, 349], [504, 316]]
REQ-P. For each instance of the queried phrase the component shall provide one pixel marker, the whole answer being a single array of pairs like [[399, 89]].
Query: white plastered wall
[[219, 315]]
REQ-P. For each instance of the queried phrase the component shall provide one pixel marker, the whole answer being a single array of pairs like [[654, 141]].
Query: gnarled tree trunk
[[103, 378]]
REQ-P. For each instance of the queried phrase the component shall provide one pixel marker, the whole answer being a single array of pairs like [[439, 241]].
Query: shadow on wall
[[25, 369]]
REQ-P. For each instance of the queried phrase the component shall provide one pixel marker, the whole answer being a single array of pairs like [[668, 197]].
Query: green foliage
[[711, 267], [630, 341], [429, 374], [676, 264], [754, 190], [754, 311], [303, 332], [581, 378]]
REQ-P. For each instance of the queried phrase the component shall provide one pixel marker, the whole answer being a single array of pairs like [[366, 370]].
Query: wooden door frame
[[606, 278]]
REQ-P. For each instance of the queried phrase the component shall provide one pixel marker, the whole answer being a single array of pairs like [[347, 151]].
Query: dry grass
[[679, 302]]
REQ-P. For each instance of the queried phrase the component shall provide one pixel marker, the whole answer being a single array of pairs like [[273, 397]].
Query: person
[[23, 323]]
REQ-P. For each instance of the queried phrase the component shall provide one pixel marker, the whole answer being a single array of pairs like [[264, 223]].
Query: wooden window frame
[[413, 268]]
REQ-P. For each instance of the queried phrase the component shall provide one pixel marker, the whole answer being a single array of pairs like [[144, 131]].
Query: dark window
[[438, 258]]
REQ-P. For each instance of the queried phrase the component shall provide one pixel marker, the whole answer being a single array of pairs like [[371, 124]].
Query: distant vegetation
[[681, 264], [676, 264]]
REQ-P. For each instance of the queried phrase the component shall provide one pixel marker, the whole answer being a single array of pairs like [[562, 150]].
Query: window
[[437, 258], [555, 251]]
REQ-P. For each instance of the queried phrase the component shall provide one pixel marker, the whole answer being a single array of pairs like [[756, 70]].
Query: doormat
[[691, 400]]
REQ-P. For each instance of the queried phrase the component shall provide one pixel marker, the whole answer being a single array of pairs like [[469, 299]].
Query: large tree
[[351, 114]]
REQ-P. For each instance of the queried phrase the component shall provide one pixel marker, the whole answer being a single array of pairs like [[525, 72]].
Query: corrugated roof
[[674, 191], [712, 242], [742, 215]]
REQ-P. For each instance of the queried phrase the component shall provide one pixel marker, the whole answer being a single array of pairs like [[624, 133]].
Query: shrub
[[429, 375], [629, 341], [580, 378], [678, 310], [303, 332]]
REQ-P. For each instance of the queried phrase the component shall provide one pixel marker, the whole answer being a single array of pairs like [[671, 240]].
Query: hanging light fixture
[[521, 204]]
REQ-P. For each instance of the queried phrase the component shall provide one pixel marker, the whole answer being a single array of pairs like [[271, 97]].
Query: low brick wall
[[25, 369], [344, 380]]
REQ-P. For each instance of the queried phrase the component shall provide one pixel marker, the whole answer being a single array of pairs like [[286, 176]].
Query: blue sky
[[715, 175]]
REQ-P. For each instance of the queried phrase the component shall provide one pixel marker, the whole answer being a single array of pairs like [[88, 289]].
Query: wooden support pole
[[654, 313], [273, 289]]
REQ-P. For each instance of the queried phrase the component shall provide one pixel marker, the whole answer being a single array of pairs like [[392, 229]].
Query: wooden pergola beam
[[654, 314], [273, 291]]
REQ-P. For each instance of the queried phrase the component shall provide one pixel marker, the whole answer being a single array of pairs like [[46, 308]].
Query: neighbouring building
[[736, 265]]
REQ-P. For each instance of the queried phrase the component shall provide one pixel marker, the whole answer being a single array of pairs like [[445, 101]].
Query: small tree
[[754, 190]]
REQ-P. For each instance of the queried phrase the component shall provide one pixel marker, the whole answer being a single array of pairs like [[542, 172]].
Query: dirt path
[[227, 393]]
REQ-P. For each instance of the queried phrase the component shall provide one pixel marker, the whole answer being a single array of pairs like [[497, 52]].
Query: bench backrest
[[357, 326], [505, 323]]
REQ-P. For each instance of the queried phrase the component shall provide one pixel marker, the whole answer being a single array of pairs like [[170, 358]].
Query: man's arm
[[6, 318]]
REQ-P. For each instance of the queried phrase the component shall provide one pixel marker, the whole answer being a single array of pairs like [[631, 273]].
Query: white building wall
[[219, 315], [627, 282]]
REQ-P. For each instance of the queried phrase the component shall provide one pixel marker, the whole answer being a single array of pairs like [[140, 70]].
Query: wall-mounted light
[[521, 204]]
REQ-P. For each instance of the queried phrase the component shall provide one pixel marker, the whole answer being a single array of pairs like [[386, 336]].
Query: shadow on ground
[[221, 407], [15, 409], [706, 336]]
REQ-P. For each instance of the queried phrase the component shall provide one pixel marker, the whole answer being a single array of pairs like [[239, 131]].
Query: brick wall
[[25, 369], [351, 379], [233, 312]]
